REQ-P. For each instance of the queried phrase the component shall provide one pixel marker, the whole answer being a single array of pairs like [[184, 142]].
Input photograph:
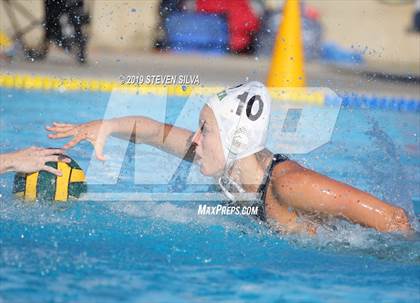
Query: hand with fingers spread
[[96, 132], [31, 160], [137, 129]]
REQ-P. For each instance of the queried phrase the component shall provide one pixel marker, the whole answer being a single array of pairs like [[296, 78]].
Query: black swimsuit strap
[[277, 158]]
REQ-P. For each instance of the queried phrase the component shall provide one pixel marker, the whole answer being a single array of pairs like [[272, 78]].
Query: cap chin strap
[[230, 187], [233, 190]]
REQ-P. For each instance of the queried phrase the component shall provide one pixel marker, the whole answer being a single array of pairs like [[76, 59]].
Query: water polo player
[[230, 146]]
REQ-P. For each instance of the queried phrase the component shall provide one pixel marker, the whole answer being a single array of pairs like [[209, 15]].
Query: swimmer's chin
[[205, 172]]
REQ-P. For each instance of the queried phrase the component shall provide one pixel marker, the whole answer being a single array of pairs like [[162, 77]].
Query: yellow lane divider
[[30, 82]]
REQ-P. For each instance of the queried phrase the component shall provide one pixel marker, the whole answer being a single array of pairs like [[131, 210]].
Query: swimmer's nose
[[197, 137]]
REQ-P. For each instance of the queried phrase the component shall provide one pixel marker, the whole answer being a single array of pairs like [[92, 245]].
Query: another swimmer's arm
[[7, 163], [31, 160], [305, 189]]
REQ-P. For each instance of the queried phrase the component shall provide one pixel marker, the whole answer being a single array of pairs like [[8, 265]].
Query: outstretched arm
[[307, 190], [138, 129], [172, 139]]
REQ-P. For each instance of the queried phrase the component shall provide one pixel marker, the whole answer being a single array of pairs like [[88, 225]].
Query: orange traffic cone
[[286, 69]]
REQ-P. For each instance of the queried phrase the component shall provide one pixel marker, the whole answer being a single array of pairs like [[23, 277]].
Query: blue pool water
[[162, 251]]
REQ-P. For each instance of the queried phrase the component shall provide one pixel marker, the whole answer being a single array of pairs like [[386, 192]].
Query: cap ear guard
[[230, 188], [240, 141]]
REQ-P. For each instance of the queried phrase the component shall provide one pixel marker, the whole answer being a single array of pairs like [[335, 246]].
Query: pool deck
[[218, 70]]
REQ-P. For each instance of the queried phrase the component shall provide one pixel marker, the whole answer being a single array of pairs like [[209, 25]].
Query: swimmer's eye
[[203, 129]]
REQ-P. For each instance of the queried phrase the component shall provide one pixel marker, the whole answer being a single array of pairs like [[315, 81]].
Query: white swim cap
[[243, 115]]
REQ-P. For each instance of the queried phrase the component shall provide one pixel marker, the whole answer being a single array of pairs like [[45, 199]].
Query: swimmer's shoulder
[[285, 167], [282, 168]]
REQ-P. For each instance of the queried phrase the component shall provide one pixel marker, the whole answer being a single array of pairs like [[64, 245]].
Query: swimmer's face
[[209, 150]]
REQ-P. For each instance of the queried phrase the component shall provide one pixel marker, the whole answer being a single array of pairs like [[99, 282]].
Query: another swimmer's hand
[[96, 132], [32, 159]]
